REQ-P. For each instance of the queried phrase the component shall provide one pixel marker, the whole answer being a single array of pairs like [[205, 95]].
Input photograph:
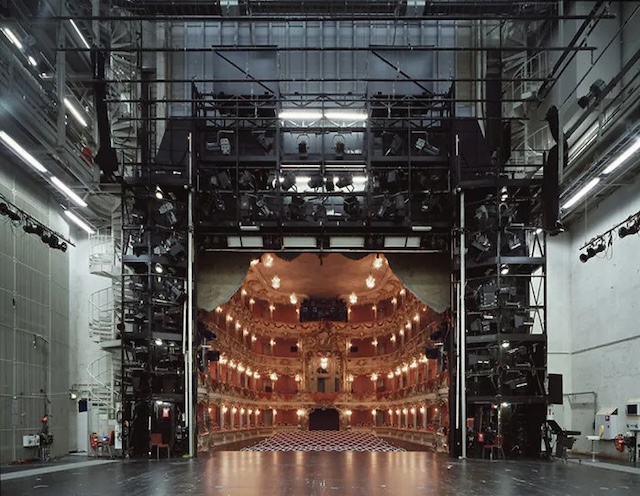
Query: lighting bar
[[300, 114], [80, 35], [21, 152], [74, 111], [623, 157], [575, 198], [340, 115], [79, 222], [12, 38], [67, 191], [421, 228]]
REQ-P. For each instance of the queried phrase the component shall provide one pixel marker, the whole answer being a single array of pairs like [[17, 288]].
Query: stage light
[[340, 147], [79, 222], [288, 181], [623, 157], [504, 194], [32, 61], [67, 191], [80, 35], [265, 142], [351, 207], [158, 268], [158, 193], [504, 269], [74, 111], [595, 91], [31, 228], [21, 152], [316, 181], [4, 210], [302, 149], [629, 229], [225, 146], [12, 38], [344, 180]]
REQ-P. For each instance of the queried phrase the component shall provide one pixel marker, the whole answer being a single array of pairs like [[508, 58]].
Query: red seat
[[155, 439], [496, 444]]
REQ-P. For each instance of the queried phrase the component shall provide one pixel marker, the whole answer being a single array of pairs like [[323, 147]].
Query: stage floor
[[316, 473]]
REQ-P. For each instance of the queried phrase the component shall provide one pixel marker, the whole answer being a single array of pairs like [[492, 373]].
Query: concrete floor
[[318, 473]]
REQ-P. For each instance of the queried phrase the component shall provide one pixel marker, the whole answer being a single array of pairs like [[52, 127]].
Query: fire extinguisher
[[619, 442]]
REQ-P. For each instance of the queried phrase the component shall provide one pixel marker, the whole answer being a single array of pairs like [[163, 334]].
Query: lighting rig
[[499, 260], [601, 243], [30, 225], [154, 308], [370, 166]]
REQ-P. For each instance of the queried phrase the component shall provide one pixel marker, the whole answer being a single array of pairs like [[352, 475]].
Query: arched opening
[[324, 419]]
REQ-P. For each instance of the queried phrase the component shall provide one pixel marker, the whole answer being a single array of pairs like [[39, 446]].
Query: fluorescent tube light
[[302, 114], [299, 242], [421, 228], [21, 152], [67, 191], [344, 115], [401, 242], [74, 111], [623, 157], [575, 198], [80, 35], [346, 242], [79, 222], [12, 38], [245, 242]]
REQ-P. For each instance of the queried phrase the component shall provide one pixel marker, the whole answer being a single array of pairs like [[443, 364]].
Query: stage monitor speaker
[[555, 389]]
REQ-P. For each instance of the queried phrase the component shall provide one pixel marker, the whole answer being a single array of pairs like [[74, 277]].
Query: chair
[[496, 444], [155, 439]]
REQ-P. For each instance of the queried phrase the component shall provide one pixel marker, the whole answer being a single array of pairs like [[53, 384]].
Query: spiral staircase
[[104, 372]]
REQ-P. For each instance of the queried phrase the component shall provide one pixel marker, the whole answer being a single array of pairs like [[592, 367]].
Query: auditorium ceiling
[[365, 280]]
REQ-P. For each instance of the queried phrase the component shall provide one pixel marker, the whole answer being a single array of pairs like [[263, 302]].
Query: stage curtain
[[427, 276], [219, 275]]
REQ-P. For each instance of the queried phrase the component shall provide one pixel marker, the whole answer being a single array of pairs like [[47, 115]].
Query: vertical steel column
[[189, 372], [560, 131], [462, 394]]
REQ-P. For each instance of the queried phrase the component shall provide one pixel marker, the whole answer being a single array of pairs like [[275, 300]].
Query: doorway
[[324, 420]]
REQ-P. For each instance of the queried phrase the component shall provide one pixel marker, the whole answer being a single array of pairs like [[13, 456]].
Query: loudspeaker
[[555, 389]]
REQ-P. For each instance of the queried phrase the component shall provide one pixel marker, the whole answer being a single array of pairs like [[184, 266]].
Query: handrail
[[95, 379]]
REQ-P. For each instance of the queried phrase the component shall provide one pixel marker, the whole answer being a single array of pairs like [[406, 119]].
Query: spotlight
[[631, 228], [340, 147], [4, 210], [159, 194], [351, 207], [158, 268], [329, 183], [504, 194], [288, 181], [302, 149], [32, 228], [296, 208], [316, 181], [246, 180], [504, 269], [422, 145], [596, 246], [595, 91], [344, 180]]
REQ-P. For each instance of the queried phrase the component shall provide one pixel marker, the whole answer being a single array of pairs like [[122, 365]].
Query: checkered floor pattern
[[323, 441]]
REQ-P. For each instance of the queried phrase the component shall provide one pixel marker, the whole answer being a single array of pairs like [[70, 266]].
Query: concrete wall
[[594, 338], [34, 322]]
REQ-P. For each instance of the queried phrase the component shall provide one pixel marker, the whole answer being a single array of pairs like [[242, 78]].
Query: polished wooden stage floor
[[317, 473]]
